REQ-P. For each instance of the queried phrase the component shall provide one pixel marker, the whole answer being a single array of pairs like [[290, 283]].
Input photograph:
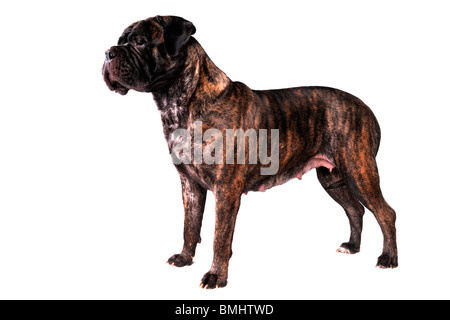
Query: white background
[[90, 204]]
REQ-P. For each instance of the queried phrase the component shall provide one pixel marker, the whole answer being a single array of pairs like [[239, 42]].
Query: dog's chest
[[173, 116], [172, 113], [180, 136]]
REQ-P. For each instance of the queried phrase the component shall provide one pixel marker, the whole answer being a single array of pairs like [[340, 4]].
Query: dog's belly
[[255, 182], [319, 160]]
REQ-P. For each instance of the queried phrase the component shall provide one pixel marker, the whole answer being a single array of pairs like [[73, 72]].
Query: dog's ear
[[177, 32]]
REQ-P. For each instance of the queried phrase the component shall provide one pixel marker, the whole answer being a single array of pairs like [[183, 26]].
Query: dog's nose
[[110, 54]]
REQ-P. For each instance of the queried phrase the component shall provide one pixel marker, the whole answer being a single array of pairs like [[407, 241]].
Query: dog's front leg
[[194, 197], [227, 206]]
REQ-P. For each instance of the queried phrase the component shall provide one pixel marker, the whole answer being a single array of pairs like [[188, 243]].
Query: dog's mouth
[[111, 82]]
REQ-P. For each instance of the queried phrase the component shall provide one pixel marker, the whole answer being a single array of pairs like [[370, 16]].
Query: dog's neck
[[201, 83]]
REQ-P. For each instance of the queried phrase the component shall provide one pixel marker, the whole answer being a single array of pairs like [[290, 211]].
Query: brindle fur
[[319, 127]]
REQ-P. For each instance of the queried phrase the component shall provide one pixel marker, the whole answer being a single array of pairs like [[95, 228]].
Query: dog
[[315, 127]]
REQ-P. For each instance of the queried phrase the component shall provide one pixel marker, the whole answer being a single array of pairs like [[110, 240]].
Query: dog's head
[[148, 54]]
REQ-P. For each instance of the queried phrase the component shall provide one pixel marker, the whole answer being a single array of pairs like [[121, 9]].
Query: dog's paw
[[212, 280], [348, 248], [386, 261], [180, 260]]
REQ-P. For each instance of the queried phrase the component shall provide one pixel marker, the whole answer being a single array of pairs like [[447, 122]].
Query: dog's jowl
[[215, 130]]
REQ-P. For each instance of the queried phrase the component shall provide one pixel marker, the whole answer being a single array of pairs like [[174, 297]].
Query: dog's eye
[[140, 41]]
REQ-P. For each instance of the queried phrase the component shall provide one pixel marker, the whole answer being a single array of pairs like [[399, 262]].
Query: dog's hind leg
[[364, 183], [337, 188]]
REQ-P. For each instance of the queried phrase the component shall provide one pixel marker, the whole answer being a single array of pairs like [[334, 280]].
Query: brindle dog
[[319, 127]]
